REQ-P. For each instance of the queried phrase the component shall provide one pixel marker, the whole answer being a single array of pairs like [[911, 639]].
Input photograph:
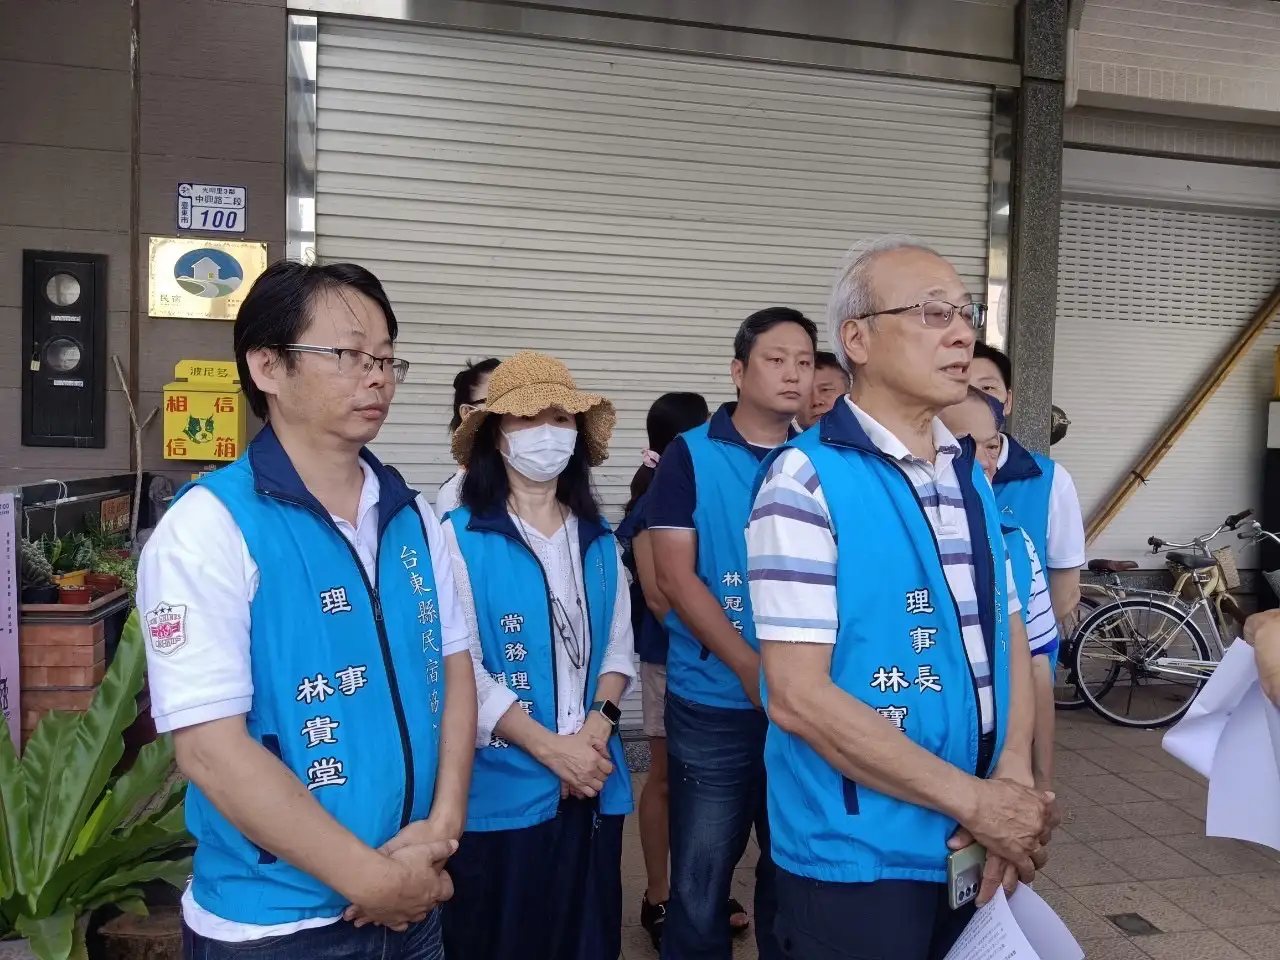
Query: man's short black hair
[[984, 351], [764, 320], [826, 360], [277, 310]]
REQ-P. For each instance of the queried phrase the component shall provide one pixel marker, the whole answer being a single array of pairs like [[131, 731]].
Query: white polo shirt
[[198, 559]]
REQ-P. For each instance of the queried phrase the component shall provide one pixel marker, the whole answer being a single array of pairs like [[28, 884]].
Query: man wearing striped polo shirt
[[897, 671]]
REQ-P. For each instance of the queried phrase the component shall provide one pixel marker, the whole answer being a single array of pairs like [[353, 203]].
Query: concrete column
[[1033, 242]]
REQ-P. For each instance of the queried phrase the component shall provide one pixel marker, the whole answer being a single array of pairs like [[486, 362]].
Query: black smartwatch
[[609, 710]]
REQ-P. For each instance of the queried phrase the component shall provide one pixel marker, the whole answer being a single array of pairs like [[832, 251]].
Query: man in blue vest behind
[[698, 508], [306, 648], [1037, 489], [896, 667]]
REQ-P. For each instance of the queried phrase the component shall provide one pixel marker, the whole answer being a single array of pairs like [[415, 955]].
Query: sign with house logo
[[213, 208], [201, 279]]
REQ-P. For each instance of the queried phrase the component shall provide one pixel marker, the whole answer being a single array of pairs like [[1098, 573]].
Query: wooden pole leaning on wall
[[1138, 475]]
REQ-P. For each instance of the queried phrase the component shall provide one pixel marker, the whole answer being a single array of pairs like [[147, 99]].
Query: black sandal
[[736, 908], [652, 917]]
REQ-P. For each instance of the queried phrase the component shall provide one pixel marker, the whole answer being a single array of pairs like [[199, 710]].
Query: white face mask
[[541, 453]]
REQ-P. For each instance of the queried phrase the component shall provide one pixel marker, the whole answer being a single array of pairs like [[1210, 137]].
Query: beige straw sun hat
[[529, 383]]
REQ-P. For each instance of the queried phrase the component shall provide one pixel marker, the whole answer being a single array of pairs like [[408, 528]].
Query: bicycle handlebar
[[1230, 523]]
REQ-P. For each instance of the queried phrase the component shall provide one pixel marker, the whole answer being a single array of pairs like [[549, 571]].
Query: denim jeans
[[334, 941], [717, 789]]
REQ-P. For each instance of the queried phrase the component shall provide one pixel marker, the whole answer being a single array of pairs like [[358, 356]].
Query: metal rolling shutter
[[620, 209], [1148, 299]]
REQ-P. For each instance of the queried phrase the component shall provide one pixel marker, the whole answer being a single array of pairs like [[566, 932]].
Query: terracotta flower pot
[[102, 582], [73, 595]]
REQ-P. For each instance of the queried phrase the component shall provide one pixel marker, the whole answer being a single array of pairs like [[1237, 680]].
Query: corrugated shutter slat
[[1148, 300], [621, 209]]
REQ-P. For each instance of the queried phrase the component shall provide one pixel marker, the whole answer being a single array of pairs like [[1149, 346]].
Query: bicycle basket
[[1226, 558]]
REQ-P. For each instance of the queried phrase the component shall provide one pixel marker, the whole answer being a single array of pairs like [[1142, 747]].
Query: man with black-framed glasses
[[307, 650], [897, 675]]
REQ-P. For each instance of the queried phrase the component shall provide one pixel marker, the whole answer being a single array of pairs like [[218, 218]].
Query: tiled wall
[[227, 57], [1214, 52], [64, 185], [212, 92]]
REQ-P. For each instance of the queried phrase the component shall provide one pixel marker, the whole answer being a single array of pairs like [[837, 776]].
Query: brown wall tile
[[245, 120], [263, 181], [236, 41], [77, 107], [64, 188], [19, 465], [85, 33]]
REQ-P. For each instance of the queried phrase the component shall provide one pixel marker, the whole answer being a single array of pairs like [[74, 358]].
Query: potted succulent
[[71, 557], [75, 835], [37, 574]]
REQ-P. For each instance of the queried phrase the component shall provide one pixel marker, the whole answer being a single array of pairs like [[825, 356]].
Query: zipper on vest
[[973, 677], [388, 663]]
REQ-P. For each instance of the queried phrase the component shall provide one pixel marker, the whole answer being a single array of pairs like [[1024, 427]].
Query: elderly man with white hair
[[897, 674]]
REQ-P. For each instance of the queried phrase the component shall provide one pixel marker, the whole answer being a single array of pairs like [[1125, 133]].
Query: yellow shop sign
[[204, 412]]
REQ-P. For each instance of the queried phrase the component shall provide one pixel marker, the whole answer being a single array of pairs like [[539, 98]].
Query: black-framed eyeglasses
[[936, 314], [355, 363], [574, 646]]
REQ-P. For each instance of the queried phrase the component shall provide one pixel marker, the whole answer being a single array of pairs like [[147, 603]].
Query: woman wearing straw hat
[[538, 872]]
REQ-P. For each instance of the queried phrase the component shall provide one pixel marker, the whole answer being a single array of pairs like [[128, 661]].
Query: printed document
[[1231, 734], [1021, 927]]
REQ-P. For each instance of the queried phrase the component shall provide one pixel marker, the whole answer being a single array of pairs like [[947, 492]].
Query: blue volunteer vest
[[1024, 484], [348, 679], [509, 788], [724, 468], [1016, 543], [896, 616], [1020, 557]]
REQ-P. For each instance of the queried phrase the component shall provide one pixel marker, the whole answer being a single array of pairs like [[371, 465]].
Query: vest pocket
[[850, 796], [272, 743], [704, 654]]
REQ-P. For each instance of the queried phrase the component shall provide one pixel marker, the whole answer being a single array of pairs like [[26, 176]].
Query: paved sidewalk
[[1131, 847]]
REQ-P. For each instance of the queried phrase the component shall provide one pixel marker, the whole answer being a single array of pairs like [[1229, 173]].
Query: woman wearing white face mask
[[540, 577]]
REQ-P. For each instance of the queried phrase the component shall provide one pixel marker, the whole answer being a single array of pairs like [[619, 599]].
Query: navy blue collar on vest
[[499, 521], [722, 429], [840, 427], [1020, 465], [275, 476]]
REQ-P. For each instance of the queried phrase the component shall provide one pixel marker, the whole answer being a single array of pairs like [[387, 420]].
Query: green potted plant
[[71, 557], [37, 574], [73, 836]]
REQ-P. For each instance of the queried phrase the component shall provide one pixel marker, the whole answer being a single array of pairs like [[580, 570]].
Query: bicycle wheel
[[1066, 691], [1141, 661]]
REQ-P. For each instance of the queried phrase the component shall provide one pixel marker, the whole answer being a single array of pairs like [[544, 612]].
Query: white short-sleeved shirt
[[198, 559], [449, 495], [1065, 536]]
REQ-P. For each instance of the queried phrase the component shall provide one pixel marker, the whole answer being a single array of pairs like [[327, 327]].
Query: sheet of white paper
[[1194, 738], [1044, 929], [1244, 781], [992, 934]]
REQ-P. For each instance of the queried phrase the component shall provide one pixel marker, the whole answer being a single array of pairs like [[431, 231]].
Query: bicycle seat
[[1111, 566], [1192, 561]]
